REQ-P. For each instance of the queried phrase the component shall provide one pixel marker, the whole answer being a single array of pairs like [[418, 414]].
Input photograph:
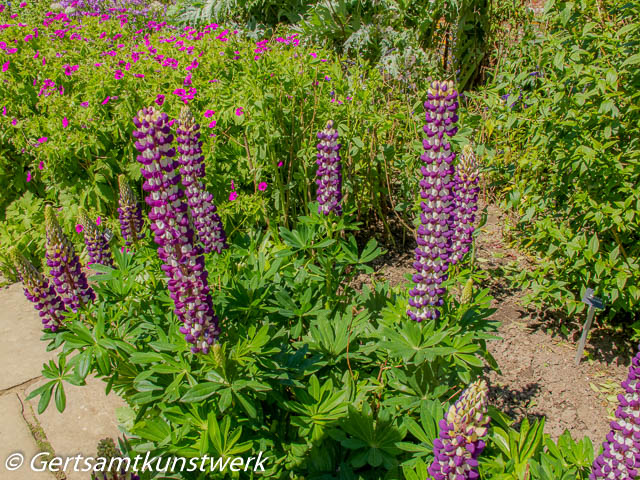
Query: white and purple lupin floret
[[183, 260], [40, 292], [436, 191], [459, 444], [129, 213], [97, 245], [329, 173], [65, 269], [466, 203], [206, 221], [620, 458]]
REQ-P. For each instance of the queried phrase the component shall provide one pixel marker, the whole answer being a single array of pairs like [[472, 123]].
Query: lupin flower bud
[[68, 277], [467, 292], [38, 290], [129, 213], [466, 203], [620, 458], [183, 261], [329, 173], [434, 233], [97, 244], [457, 448], [107, 449], [203, 211]]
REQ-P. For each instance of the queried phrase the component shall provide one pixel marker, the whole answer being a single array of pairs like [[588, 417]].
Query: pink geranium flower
[[28, 176], [41, 165], [79, 228], [262, 186], [5, 65], [239, 111], [118, 75], [65, 122], [233, 196], [209, 113]]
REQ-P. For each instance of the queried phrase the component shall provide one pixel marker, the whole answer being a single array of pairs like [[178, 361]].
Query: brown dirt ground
[[538, 374]]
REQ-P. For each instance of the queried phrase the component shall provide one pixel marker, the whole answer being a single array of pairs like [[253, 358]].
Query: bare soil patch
[[538, 376]]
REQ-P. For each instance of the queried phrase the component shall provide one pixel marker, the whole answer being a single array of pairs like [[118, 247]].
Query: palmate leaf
[[374, 441], [416, 342], [318, 406]]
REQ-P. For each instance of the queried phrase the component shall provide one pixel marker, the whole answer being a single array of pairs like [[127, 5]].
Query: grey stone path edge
[[89, 415]]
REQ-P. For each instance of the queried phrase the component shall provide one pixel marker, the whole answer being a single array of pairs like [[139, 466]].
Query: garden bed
[[538, 373]]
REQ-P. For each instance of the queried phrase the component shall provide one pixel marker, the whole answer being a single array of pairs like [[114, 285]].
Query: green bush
[[561, 135]]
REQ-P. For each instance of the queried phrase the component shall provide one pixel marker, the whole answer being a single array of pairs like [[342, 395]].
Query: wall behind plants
[[559, 127], [81, 79]]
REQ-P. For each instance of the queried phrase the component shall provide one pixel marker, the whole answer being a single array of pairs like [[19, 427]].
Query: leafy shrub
[[322, 377], [561, 133]]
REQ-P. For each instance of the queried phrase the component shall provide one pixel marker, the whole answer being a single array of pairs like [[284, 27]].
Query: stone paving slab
[[15, 436], [21, 351], [89, 417]]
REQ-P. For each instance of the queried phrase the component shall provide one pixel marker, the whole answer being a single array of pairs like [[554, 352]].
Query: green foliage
[[529, 454], [320, 376], [403, 38], [287, 95], [565, 153]]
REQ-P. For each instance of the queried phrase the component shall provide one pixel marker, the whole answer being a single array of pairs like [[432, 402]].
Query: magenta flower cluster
[[183, 260], [436, 191], [203, 211], [329, 173], [68, 277], [39, 291], [620, 458]]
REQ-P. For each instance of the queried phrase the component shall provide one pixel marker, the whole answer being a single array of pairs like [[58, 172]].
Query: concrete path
[[89, 415]]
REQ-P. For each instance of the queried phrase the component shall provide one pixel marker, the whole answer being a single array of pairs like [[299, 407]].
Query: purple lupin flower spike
[[466, 203], [329, 173], [203, 211], [434, 234], [97, 245], [65, 269], [39, 291], [183, 261], [129, 213], [620, 458], [459, 444]]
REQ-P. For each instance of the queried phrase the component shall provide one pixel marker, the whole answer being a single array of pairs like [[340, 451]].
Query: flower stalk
[[459, 444], [183, 260], [65, 269], [466, 203], [329, 173], [206, 221], [129, 213], [40, 292], [436, 191], [97, 245], [620, 458]]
